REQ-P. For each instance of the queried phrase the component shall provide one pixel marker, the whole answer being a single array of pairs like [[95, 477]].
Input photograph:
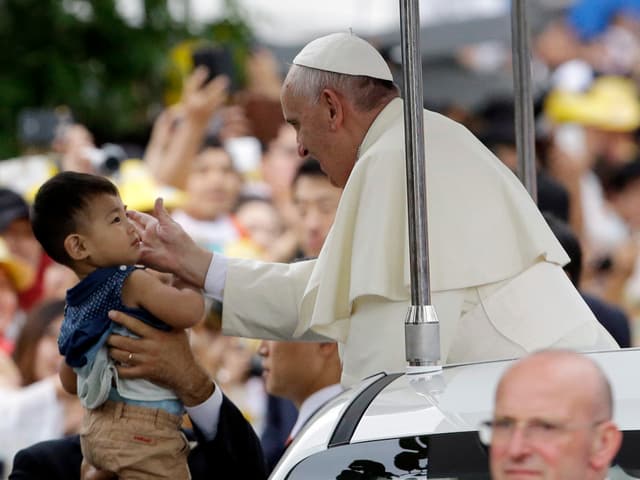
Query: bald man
[[552, 420]]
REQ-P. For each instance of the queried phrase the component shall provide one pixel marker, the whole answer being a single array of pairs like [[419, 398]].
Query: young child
[[131, 427]]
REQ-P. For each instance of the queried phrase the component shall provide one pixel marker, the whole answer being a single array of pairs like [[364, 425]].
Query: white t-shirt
[[214, 235]]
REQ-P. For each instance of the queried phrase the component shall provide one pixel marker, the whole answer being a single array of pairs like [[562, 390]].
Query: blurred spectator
[[37, 357], [604, 33], [57, 280], [279, 164], [244, 149], [139, 188], [497, 131], [307, 373], [180, 130], [16, 230], [207, 343], [622, 266], [611, 317], [262, 222], [29, 415], [623, 193], [593, 134], [316, 201], [9, 373], [260, 99], [15, 276], [41, 409], [233, 363], [36, 352], [74, 144], [212, 191], [237, 378], [591, 18]]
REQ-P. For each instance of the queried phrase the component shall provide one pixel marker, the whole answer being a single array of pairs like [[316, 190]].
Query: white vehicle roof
[[400, 406]]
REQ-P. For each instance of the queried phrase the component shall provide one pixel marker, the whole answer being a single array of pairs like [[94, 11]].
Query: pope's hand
[[162, 357], [168, 248]]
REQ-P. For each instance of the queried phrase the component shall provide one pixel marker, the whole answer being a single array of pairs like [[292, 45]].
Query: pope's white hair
[[366, 93]]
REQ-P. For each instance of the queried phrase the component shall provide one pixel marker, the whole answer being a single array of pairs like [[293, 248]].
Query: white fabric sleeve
[[261, 299], [216, 277], [207, 415]]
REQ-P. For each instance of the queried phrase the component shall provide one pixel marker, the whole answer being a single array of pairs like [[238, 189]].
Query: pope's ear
[[334, 106], [75, 247]]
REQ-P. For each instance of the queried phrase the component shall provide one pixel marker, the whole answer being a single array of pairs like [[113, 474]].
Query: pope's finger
[[160, 212], [140, 219], [125, 356], [122, 346], [131, 371]]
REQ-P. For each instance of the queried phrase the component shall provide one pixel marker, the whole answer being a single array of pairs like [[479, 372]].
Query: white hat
[[344, 53]]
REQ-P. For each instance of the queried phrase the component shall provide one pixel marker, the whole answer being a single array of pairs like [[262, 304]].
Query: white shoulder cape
[[483, 225]]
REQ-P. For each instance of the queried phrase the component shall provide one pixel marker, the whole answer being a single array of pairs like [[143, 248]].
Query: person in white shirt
[[212, 190]]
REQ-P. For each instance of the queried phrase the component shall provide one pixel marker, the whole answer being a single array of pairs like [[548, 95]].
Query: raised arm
[[199, 102], [177, 307], [68, 378]]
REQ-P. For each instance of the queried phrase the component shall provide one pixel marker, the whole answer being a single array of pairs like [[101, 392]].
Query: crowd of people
[[283, 217]]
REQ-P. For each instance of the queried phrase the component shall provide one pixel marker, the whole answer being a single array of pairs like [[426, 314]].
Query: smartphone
[[218, 60]]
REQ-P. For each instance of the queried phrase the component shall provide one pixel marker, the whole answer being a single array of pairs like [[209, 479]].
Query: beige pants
[[135, 442]]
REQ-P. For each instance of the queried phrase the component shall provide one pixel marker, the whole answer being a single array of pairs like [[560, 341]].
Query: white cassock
[[497, 282]]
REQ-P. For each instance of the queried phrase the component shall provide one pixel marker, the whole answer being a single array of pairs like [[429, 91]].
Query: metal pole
[[524, 118], [422, 335]]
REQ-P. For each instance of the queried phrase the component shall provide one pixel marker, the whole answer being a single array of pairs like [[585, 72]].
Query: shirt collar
[[313, 403]]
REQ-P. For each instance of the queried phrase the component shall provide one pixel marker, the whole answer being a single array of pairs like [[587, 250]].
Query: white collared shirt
[[312, 404]]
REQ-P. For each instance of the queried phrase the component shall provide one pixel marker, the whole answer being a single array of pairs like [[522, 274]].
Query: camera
[[37, 126], [106, 159]]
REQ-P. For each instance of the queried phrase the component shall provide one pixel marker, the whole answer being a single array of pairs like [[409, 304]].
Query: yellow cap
[[20, 273], [610, 104], [139, 189]]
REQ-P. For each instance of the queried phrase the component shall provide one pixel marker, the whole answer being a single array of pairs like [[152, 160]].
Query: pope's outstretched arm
[[261, 299]]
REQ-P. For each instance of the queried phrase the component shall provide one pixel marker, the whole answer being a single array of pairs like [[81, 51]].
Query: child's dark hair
[[310, 167], [56, 207]]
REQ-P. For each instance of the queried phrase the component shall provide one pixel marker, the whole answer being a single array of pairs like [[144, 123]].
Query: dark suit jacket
[[281, 416], [612, 318], [235, 452]]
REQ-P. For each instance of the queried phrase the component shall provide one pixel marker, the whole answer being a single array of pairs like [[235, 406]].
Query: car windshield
[[443, 456]]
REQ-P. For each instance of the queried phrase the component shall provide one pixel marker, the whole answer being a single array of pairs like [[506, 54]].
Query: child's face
[[110, 237]]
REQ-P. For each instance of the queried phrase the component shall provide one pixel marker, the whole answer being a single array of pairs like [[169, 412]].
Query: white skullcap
[[344, 53]]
